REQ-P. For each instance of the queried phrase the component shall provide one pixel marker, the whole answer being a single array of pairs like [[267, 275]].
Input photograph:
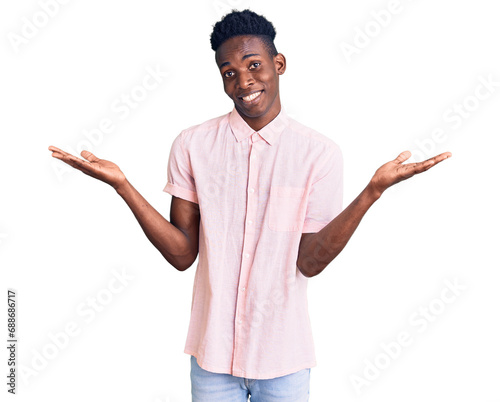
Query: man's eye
[[228, 74], [255, 65]]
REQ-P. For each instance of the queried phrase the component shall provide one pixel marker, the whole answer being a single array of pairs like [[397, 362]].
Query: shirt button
[[243, 288], [240, 321], [247, 255], [253, 156], [250, 221], [252, 190]]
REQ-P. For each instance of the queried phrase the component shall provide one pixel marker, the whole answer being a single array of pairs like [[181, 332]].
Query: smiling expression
[[251, 78]]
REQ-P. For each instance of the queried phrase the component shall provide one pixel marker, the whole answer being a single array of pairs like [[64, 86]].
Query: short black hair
[[244, 22]]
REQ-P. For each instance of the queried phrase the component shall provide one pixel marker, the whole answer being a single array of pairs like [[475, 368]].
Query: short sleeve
[[326, 193], [180, 180]]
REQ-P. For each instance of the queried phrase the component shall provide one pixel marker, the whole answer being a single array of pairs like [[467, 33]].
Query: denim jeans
[[207, 386]]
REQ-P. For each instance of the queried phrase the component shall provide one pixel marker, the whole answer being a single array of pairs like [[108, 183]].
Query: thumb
[[89, 156], [402, 157]]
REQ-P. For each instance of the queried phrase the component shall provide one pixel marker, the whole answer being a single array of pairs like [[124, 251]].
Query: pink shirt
[[257, 193]]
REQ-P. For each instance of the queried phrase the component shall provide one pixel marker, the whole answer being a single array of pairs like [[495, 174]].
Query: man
[[259, 196]]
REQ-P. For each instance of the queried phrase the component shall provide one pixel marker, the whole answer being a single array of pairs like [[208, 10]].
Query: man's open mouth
[[251, 97]]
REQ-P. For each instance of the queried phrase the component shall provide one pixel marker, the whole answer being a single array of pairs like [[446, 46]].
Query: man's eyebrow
[[249, 55], [226, 63]]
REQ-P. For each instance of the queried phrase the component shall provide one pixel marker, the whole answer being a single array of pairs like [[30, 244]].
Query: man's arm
[[176, 241], [317, 250]]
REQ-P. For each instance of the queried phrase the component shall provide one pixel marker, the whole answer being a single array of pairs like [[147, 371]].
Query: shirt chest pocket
[[286, 208]]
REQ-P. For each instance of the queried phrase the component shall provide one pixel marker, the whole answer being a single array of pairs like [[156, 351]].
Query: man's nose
[[245, 80]]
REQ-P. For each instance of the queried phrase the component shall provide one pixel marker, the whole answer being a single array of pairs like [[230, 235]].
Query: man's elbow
[[305, 273], [309, 268], [184, 267], [181, 263]]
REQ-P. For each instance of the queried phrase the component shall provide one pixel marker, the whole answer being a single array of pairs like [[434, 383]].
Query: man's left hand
[[395, 171]]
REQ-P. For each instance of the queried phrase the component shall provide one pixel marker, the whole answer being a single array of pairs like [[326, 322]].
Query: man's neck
[[260, 122]]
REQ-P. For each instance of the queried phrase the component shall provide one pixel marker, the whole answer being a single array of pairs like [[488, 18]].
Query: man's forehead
[[239, 46]]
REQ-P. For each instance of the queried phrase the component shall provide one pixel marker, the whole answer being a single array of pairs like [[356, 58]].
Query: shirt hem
[[250, 375]]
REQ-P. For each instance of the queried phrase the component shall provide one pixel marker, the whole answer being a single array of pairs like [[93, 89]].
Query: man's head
[[244, 22], [249, 65]]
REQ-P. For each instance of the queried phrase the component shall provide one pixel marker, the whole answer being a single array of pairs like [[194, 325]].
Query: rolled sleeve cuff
[[181, 193]]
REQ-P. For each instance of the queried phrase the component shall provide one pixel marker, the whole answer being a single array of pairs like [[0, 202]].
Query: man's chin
[[252, 113]]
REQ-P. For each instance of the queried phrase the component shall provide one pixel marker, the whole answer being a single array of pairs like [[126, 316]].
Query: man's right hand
[[100, 169]]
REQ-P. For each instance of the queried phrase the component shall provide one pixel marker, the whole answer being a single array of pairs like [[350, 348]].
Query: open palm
[[395, 171], [100, 169]]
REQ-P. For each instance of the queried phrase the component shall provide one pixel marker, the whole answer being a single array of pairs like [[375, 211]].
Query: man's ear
[[280, 63]]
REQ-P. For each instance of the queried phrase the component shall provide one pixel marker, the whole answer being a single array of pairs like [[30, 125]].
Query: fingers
[[59, 153], [442, 157], [72, 160], [89, 156], [427, 164], [402, 157], [86, 154], [56, 151]]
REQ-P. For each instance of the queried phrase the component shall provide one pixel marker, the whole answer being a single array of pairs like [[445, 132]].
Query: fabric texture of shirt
[[257, 193]]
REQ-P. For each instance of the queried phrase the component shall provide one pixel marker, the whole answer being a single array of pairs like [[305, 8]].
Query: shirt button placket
[[248, 245]]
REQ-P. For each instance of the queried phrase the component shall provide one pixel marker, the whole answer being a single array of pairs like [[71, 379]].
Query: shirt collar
[[270, 133]]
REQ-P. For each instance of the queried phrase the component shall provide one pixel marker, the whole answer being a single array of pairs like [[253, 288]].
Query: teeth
[[251, 97]]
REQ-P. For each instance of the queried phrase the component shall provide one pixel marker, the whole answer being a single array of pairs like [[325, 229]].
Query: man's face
[[250, 77]]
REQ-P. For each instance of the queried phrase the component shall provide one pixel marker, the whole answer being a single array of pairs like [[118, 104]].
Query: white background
[[63, 235]]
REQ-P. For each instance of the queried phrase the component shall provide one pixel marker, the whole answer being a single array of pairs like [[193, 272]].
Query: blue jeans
[[207, 386]]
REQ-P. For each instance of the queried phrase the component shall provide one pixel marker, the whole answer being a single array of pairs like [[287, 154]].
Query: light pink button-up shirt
[[257, 193]]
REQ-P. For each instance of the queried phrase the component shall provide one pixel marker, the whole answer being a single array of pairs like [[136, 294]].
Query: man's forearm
[[317, 250], [171, 242]]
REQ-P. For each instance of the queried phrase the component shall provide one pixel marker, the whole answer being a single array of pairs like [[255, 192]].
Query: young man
[[259, 196]]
